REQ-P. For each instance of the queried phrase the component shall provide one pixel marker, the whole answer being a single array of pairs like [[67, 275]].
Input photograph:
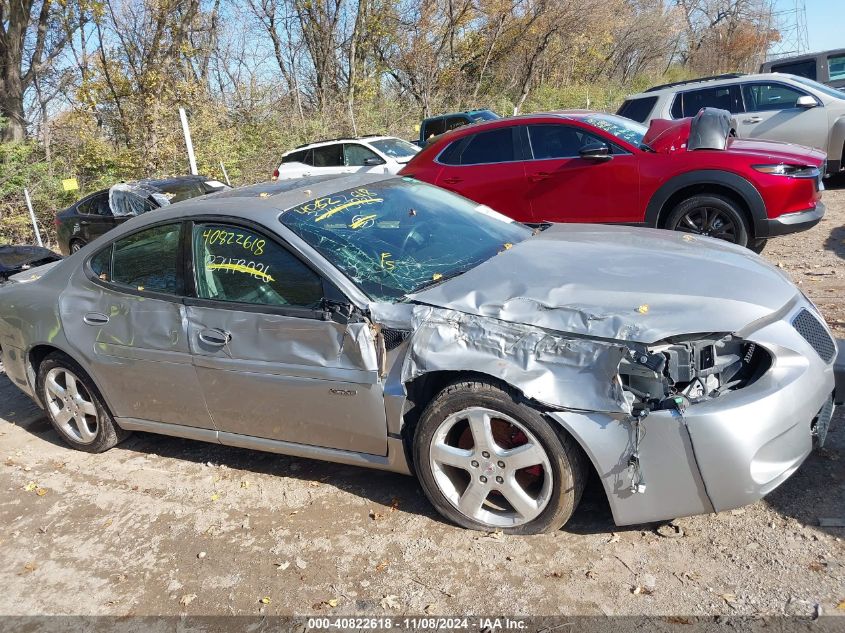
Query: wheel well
[[706, 188], [36, 356]]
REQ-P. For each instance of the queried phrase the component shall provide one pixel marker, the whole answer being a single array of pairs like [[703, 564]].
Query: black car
[[99, 212], [437, 125]]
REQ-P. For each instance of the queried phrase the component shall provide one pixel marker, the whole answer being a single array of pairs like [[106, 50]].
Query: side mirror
[[372, 161], [595, 151], [806, 101]]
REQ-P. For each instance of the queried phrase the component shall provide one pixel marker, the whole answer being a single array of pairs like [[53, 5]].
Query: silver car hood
[[619, 283]]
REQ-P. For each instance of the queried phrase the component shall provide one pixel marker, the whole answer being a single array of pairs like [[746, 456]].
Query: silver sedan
[[386, 323]]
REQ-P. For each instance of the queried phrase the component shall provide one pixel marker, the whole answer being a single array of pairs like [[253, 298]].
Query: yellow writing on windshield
[[363, 221], [350, 204], [386, 262], [240, 268]]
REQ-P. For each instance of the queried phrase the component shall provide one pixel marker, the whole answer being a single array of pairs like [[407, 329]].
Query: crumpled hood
[[621, 283]]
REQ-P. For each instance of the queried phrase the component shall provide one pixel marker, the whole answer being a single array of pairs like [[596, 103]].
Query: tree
[[32, 35]]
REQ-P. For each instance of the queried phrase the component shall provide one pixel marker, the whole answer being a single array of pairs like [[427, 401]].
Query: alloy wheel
[[708, 221], [71, 406], [491, 467]]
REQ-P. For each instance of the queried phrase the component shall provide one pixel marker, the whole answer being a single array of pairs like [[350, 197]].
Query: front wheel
[[488, 461], [710, 215]]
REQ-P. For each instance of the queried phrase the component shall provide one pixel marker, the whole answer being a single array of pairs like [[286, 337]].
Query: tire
[[552, 488], [757, 245], [711, 215], [83, 421], [75, 245]]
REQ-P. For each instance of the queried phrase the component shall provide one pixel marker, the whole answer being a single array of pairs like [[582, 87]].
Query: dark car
[[437, 125], [89, 218], [17, 259]]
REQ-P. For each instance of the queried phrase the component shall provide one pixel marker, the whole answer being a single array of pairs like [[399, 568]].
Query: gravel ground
[[166, 526]]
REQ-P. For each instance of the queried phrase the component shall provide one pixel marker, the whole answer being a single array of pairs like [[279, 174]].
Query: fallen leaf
[[332, 602], [591, 574], [30, 486], [614, 538], [375, 516], [244, 484], [107, 523], [394, 504], [265, 600], [314, 484], [495, 534], [28, 569], [382, 565], [301, 563], [639, 590], [390, 602], [728, 597], [841, 605], [282, 566], [554, 574], [215, 497], [430, 608], [817, 566], [41, 491], [187, 599]]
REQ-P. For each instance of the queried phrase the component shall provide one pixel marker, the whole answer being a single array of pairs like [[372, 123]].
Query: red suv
[[578, 166]]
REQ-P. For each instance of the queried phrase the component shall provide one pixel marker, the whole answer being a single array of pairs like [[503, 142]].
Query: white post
[[225, 175], [188, 142], [32, 217]]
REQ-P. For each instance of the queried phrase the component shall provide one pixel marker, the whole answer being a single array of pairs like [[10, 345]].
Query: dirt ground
[[166, 526]]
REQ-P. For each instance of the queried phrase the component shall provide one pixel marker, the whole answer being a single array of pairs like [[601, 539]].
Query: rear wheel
[[74, 406], [710, 215], [488, 461]]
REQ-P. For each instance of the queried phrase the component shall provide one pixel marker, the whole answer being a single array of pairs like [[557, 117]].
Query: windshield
[[620, 127], [830, 92], [394, 237], [395, 147]]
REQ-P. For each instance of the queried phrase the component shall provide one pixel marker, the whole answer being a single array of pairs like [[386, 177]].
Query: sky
[[825, 21]]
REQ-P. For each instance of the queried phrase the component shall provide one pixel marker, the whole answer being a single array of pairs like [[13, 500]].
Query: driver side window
[[236, 264]]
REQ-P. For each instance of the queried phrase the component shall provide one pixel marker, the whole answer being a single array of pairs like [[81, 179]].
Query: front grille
[[814, 333]]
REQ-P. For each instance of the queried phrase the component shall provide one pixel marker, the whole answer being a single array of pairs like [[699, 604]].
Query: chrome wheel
[[708, 221], [71, 406], [490, 467]]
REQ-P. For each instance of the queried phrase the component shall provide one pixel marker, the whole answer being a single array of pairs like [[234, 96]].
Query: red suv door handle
[[452, 180], [540, 175]]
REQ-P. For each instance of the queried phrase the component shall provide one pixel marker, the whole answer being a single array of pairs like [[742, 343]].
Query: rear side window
[[296, 157], [806, 68], [765, 96], [434, 128], [835, 67], [454, 122], [690, 103], [146, 260], [239, 265], [637, 109], [97, 204], [495, 146], [328, 156]]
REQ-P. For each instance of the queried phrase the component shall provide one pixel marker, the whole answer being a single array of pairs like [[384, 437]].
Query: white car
[[365, 154]]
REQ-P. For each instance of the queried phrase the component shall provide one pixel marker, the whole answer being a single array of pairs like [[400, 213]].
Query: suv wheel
[[75, 246], [488, 461], [711, 215]]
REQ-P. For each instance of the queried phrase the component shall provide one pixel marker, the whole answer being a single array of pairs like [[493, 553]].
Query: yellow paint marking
[[240, 268], [351, 203], [357, 224], [436, 276]]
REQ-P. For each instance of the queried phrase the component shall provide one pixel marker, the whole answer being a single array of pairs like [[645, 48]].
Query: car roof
[[716, 80], [342, 139], [265, 199]]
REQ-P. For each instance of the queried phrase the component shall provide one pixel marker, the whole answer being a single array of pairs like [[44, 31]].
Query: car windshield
[[397, 236], [395, 147], [620, 127], [830, 92]]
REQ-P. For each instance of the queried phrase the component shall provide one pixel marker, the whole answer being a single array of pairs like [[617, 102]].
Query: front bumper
[[722, 453], [839, 372], [791, 222]]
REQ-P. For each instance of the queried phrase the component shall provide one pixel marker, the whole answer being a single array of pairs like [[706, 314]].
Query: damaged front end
[[682, 371]]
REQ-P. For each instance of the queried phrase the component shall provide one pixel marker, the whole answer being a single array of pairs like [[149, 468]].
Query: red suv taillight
[[275, 174]]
